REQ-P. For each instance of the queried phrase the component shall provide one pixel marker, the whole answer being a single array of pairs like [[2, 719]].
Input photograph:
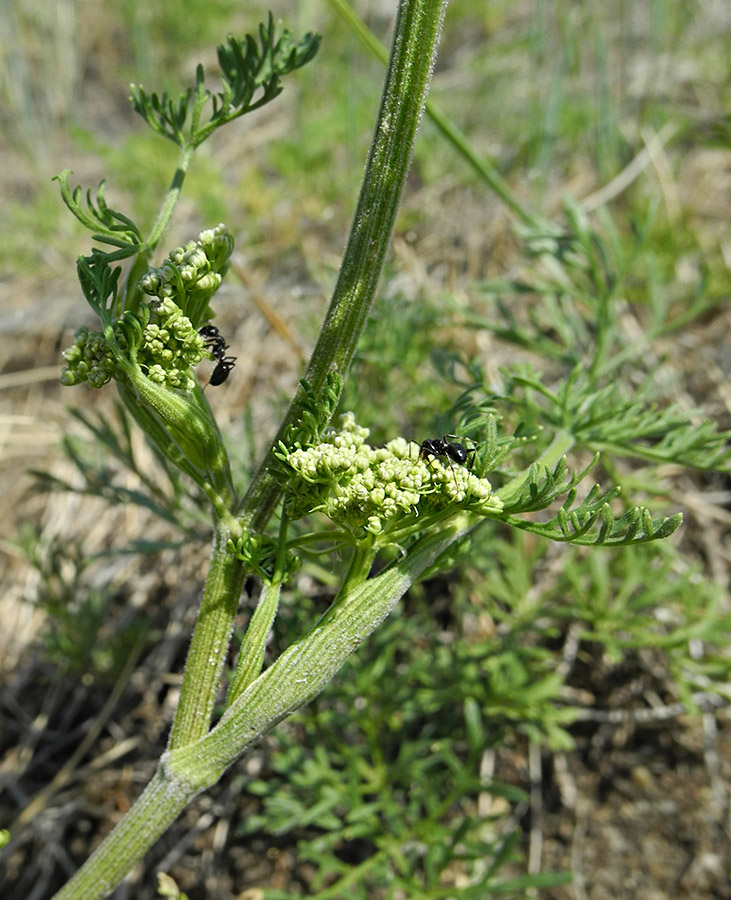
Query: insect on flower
[[217, 345], [452, 451]]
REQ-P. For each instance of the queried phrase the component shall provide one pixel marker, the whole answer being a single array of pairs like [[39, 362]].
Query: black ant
[[217, 345], [222, 370], [213, 340], [452, 450]]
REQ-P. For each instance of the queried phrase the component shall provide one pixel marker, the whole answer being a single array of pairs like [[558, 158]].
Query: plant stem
[[209, 644], [251, 653], [155, 810], [298, 675], [172, 197], [131, 294], [360, 566], [416, 34]]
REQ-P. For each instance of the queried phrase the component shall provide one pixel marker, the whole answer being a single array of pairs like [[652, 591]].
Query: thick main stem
[[162, 801], [298, 675], [416, 34]]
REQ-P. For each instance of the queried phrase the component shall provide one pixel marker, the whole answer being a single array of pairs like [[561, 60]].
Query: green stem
[[209, 644], [416, 34], [360, 566], [300, 673], [131, 293], [482, 166], [251, 653], [171, 199], [155, 810]]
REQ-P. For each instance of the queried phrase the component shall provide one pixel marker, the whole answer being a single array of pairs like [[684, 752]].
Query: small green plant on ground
[[386, 517]]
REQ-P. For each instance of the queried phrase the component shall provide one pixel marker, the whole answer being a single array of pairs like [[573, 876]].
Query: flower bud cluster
[[171, 346], [193, 273], [89, 359], [378, 490]]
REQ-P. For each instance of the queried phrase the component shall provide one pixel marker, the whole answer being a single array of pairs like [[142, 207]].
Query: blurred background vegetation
[[539, 710]]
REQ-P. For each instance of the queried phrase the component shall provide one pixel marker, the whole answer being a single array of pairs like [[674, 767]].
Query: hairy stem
[[298, 675], [209, 644], [159, 805]]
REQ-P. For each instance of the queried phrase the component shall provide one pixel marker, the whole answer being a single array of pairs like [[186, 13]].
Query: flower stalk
[[301, 672]]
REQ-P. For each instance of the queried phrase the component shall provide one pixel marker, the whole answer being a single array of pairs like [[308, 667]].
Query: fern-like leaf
[[108, 226], [593, 522], [251, 73]]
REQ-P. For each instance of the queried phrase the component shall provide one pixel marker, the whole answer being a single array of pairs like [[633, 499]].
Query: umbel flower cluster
[[170, 347], [379, 490]]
